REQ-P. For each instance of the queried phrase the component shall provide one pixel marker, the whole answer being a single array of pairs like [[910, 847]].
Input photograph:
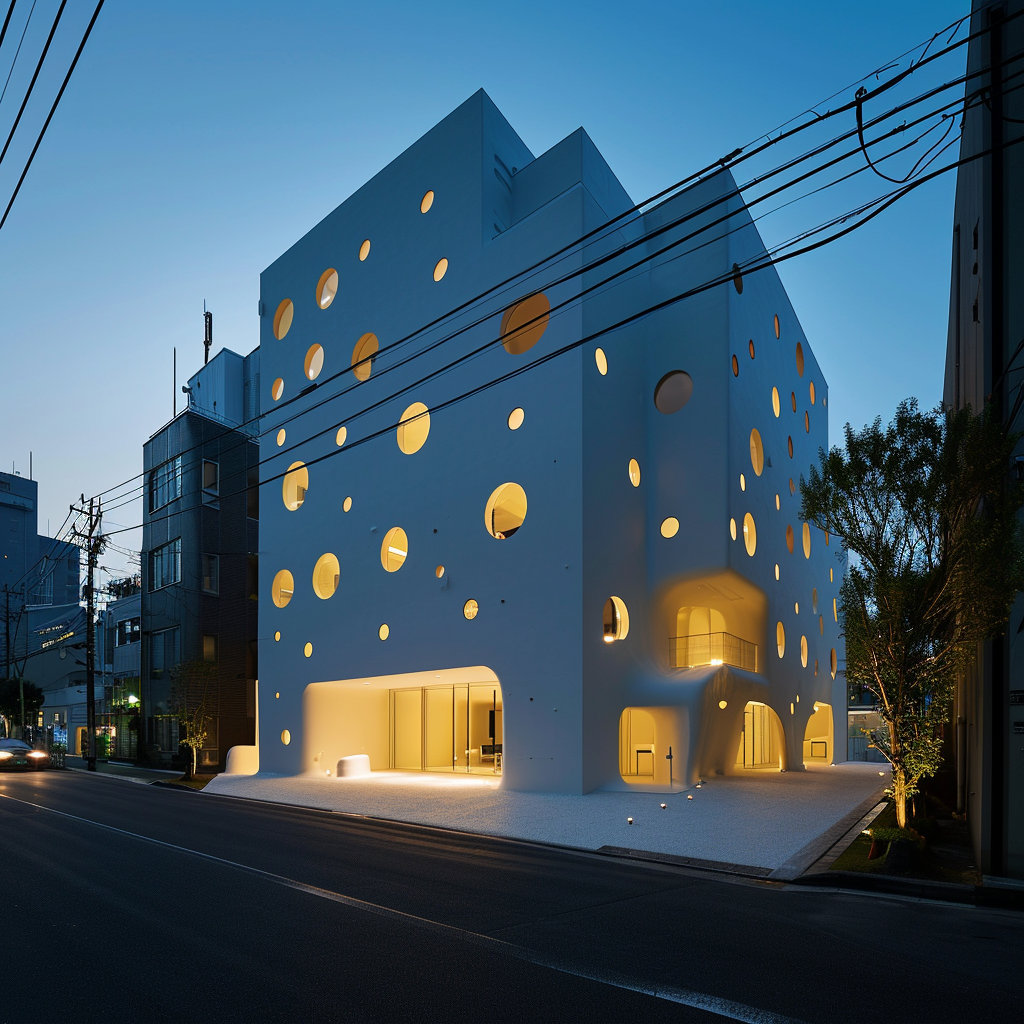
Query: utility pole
[[94, 541]]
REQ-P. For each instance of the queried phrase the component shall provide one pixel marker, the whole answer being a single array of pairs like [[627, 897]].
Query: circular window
[[812, 392], [364, 250], [776, 570], [778, 504], [780, 638], [615, 620], [286, 737], [308, 649], [799, 359], [439, 571], [735, 367], [523, 323], [470, 609], [282, 588], [821, 624], [427, 201], [743, 482], [314, 361], [792, 486], [342, 434], [737, 278], [326, 574], [384, 632], [732, 528], [777, 334], [803, 651], [327, 288], [505, 511], [789, 538], [749, 534], [831, 578], [756, 452], [362, 356], [283, 318], [835, 610], [394, 549], [277, 389], [294, 486], [346, 505], [413, 428], [440, 268], [776, 405], [669, 527], [277, 636], [673, 391], [807, 422], [634, 472], [807, 541], [602, 361], [789, 441], [792, 400], [832, 666], [750, 347], [515, 419], [723, 704], [814, 600], [280, 437]]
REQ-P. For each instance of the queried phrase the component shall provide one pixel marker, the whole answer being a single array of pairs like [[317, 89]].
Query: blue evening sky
[[197, 141]]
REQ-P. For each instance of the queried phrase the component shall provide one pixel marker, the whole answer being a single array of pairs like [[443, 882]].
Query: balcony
[[712, 649]]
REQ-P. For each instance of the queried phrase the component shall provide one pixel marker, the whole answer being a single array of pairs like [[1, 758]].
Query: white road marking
[[686, 997]]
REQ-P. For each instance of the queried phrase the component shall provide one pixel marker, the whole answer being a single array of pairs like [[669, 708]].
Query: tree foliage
[[10, 702], [927, 510], [193, 684]]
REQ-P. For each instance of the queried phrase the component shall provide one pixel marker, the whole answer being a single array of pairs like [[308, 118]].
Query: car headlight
[[5, 755], [36, 753]]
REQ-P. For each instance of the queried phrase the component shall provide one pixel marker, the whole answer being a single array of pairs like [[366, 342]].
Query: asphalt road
[[126, 902]]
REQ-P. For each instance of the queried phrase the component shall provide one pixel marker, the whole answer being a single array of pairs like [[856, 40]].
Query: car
[[16, 755]]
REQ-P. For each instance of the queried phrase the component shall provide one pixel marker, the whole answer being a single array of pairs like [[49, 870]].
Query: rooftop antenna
[[208, 334]]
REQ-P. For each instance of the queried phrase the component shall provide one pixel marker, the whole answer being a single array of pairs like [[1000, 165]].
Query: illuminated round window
[[749, 534], [756, 452], [743, 482], [669, 527], [294, 486], [471, 609], [326, 574], [780, 638], [282, 588], [737, 278], [796, 607], [789, 538], [735, 367], [314, 361], [777, 334], [832, 666], [364, 250], [413, 428], [807, 541], [615, 620], [427, 201], [835, 610], [515, 419], [286, 737], [277, 636], [807, 422], [776, 407], [778, 504], [283, 318], [340, 436], [634, 472], [277, 389], [439, 571], [723, 704], [346, 505], [673, 391], [821, 624], [384, 632], [814, 600], [327, 288], [440, 268], [803, 651], [602, 361], [750, 347], [790, 443], [362, 356], [308, 650], [394, 549], [280, 437], [505, 511], [799, 359], [792, 486], [523, 323], [831, 578], [812, 392], [732, 528], [776, 570]]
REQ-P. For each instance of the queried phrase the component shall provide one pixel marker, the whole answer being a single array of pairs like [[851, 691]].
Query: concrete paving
[[759, 820]]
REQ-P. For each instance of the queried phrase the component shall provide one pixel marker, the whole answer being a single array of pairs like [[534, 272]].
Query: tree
[[192, 685], [10, 702], [927, 511]]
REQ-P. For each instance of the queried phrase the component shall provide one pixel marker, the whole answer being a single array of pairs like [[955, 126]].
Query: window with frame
[[165, 484], [210, 648], [211, 574], [211, 479], [165, 565], [163, 652], [128, 631]]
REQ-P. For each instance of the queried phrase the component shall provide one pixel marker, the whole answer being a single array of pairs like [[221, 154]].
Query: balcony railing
[[712, 649]]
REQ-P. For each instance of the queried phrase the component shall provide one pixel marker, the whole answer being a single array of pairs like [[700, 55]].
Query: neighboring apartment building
[[199, 559], [540, 548], [984, 362]]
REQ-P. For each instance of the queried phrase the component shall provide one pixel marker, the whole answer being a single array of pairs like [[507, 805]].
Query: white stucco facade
[[540, 685]]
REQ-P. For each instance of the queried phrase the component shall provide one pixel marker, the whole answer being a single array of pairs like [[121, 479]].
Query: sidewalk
[[754, 823], [125, 771]]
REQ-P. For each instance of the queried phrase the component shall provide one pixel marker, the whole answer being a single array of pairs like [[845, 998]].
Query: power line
[[28, 21]]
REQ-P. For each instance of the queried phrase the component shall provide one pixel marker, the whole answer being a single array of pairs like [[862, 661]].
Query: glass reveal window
[[165, 565], [129, 631], [211, 479], [163, 652], [211, 574], [210, 648], [165, 484]]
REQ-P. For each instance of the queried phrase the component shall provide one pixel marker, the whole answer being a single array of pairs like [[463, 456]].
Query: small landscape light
[[663, 806], [881, 773], [698, 785], [629, 821], [689, 796]]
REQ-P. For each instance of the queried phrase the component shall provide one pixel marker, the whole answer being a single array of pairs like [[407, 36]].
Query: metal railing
[[712, 649]]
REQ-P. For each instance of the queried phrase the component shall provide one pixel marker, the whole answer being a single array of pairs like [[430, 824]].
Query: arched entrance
[[762, 743], [818, 735]]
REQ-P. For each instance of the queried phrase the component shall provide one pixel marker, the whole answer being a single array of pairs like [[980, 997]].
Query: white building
[[564, 574]]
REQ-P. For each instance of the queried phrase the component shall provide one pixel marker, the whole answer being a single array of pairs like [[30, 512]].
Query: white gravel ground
[[758, 820]]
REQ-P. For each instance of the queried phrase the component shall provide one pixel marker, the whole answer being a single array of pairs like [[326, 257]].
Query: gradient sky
[[197, 141]]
